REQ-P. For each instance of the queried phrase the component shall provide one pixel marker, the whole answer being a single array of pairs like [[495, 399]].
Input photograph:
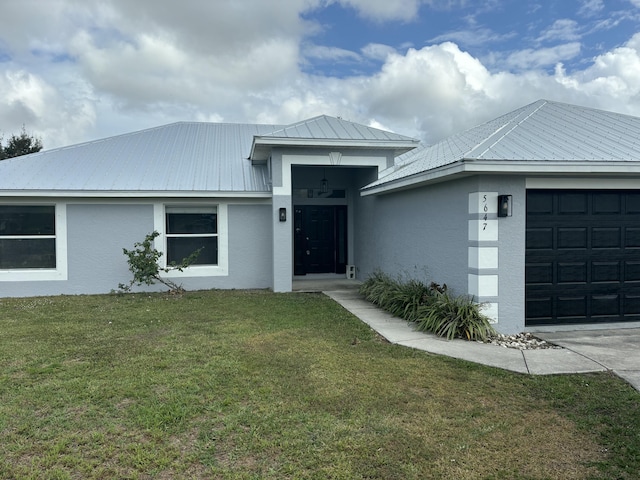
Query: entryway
[[320, 239]]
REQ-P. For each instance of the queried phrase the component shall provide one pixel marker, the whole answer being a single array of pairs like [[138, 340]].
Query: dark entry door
[[582, 256], [320, 239]]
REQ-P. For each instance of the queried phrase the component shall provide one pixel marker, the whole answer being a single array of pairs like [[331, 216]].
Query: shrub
[[431, 307], [143, 264], [454, 317]]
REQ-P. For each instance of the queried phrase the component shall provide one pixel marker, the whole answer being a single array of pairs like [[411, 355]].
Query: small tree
[[143, 263], [18, 145]]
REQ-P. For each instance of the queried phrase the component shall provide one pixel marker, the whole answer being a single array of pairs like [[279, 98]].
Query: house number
[[486, 223]]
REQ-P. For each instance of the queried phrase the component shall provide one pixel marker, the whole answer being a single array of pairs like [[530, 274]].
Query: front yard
[[243, 385]]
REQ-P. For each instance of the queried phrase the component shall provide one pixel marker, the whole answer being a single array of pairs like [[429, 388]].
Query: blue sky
[[77, 71]]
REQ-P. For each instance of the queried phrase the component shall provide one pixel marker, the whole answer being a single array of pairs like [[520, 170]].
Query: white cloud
[[378, 51], [331, 53], [542, 57], [565, 30], [381, 10], [84, 69], [59, 117]]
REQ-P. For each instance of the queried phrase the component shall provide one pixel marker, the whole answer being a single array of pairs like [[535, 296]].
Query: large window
[[27, 237], [189, 229]]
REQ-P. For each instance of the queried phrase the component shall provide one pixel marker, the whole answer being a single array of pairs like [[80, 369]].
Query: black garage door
[[582, 256]]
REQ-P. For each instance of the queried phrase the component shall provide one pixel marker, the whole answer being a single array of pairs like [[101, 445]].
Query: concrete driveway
[[617, 350]]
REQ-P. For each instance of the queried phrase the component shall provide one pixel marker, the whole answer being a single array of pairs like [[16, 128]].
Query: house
[[536, 213]]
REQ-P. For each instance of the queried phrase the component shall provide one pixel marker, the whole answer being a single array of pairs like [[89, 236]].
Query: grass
[[253, 385]]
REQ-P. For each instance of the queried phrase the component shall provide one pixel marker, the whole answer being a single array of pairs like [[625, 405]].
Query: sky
[[78, 70]]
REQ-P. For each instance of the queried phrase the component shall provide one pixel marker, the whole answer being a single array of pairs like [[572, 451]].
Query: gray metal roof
[[542, 132], [180, 157], [325, 131], [324, 127]]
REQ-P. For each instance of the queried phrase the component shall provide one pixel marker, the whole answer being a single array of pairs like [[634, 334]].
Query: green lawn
[[254, 385]]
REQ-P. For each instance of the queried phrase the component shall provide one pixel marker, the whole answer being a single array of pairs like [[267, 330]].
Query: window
[[27, 237], [191, 228]]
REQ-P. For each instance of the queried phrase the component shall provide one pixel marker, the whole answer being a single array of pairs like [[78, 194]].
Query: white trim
[[566, 169], [483, 286], [111, 194], [48, 274], [582, 183], [483, 257], [490, 310], [222, 269]]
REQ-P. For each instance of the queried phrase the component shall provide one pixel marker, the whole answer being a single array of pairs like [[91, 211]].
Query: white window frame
[[221, 269], [44, 274]]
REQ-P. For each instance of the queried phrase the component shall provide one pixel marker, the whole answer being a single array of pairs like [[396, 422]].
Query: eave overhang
[[120, 195], [468, 167], [262, 146]]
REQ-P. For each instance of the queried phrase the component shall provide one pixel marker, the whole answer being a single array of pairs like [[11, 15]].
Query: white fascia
[[517, 167]]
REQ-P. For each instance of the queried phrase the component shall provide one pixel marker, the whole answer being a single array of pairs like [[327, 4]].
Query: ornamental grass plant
[[431, 307]]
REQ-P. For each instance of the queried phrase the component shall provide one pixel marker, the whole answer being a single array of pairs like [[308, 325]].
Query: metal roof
[[543, 132], [325, 131], [180, 157]]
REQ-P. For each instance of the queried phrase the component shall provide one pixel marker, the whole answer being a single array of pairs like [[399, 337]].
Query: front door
[[320, 239]]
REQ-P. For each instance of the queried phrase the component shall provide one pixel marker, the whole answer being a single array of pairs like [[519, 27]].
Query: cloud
[[378, 51], [542, 57], [59, 117], [382, 10], [591, 7], [561, 30]]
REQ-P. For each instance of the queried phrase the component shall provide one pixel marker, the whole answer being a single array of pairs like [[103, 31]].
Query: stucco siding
[[427, 233], [420, 233], [96, 234]]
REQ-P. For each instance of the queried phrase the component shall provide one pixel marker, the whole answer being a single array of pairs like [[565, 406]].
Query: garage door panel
[[632, 271], [632, 237], [632, 203], [572, 203], [632, 306], [571, 307], [582, 256], [572, 273], [572, 238], [539, 274], [605, 272], [607, 203], [606, 237], [540, 309], [540, 238], [605, 305]]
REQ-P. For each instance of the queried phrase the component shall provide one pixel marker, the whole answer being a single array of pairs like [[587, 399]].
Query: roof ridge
[[533, 107]]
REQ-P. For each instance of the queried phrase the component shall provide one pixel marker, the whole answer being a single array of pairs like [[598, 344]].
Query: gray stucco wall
[[420, 233], [96, 234], [423, 233]]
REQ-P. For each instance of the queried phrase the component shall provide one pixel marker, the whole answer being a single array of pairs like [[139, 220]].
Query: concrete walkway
[[592, 351]]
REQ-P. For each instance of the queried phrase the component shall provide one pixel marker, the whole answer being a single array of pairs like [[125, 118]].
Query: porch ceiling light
[[324, 182]]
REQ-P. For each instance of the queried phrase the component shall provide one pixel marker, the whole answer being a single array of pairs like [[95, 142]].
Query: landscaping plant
[[431, 307], [143, 264]]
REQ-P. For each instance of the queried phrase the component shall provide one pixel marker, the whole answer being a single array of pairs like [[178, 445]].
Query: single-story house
[[536, 213]]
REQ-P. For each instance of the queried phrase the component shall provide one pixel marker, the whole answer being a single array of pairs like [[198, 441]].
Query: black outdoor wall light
[[282, 214], [504, 205]]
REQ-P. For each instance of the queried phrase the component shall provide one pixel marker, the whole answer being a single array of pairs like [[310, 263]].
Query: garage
[[582, 257]]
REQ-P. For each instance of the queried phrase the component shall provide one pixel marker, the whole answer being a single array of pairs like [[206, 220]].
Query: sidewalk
[[536, 362]]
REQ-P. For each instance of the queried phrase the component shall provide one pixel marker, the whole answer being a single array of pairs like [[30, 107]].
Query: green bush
[[431, 307], [454, 317]]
